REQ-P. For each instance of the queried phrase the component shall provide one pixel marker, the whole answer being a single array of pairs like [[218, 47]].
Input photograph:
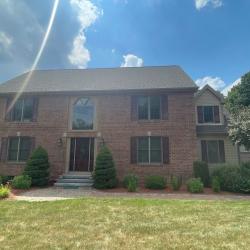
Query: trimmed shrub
[[128, 178], [38, 167], [21, 182], [155, 182], [201, 171], [4, 191], [195, 185], [176, 182], [132, 185], [104, 174], [230, 178], [216, 184]]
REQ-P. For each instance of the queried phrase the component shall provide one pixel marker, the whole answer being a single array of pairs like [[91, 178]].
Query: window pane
[[143, 107], [155, 150], [208, 114], [24, 151], [28, 109], [155, 107], [83, 114], [143, 148], [17, 110], [213, 151], [13, 149]]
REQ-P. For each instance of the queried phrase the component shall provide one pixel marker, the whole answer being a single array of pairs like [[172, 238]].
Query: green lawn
[[113, 223]]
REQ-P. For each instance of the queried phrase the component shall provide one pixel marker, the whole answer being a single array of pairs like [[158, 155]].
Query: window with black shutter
[[213, 151], [19, 148], [149, 150], [208, 114], [23, 110]]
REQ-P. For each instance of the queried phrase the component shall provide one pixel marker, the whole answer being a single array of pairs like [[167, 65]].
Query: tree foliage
[[239, 96], [238, 104], [105, 172], [38, 167], [239, 127]]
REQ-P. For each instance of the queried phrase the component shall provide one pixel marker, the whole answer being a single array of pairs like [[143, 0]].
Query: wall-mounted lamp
[[101, 139]]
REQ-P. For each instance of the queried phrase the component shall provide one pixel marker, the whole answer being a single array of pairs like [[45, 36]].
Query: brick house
[[146, 116]]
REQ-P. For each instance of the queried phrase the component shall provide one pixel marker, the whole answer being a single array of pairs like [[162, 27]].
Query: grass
[[113, 223]]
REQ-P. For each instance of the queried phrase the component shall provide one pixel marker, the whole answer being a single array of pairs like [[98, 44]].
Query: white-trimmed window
[[19, 148], [83, 114]]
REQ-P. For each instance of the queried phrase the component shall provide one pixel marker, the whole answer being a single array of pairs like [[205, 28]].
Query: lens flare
[[45, 39]]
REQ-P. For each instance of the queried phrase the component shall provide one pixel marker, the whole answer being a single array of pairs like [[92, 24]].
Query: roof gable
[[217, 94]]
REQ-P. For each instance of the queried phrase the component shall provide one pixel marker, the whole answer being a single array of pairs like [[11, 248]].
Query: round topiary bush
[[21, 182], [104, 174], [38, 167], [195, 185]]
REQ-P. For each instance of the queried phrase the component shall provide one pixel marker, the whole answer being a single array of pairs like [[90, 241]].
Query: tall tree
[[239, 96], [238, 104]]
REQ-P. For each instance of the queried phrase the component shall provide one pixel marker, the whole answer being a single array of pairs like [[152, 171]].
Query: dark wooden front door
[[81, 154]]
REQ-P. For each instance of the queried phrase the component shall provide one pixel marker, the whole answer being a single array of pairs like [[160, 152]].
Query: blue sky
[[210, 39]]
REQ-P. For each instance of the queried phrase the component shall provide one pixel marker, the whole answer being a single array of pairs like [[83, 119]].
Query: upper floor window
[[154, 107], [19, 149], [208, 114], [83, 114], [24, 110], [213, 151]]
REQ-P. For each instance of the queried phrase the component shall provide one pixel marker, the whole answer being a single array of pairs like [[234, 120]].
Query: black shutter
[[8, 112], [134, 115], [4, 149], [200, 114], [204, 151], [32, 144], [133, 150], [221, 151], [164, 107], [216, 114], [35, 109], [165, 149]]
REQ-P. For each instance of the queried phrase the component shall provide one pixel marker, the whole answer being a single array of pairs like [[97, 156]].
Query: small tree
[[104, 173], [38, 167]]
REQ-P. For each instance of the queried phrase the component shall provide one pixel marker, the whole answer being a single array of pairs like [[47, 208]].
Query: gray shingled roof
[[74, 80]]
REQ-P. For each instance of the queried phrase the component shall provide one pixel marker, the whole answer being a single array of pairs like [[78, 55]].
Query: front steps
[[75, 180]]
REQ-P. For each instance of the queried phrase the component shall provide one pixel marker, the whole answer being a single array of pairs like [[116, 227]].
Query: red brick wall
[[113, 121]]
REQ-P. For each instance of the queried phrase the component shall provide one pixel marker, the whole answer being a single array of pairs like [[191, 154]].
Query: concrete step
[[72, 180], [66, 176], [73, 185]]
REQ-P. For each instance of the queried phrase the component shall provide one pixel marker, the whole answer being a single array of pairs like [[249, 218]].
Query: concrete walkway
[[53, 193]]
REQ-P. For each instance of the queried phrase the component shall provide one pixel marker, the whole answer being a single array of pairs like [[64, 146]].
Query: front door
[[81, 154]]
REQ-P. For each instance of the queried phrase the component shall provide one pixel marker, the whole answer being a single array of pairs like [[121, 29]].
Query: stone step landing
[[75, 180]]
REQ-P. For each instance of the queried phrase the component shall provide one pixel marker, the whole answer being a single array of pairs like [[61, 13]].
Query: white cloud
[[5, 40], [199, 4], [215, 82], [87, 13], [132, 61], [229, 87]]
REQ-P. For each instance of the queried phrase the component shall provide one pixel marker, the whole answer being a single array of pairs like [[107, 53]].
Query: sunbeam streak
[[46, 36]]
